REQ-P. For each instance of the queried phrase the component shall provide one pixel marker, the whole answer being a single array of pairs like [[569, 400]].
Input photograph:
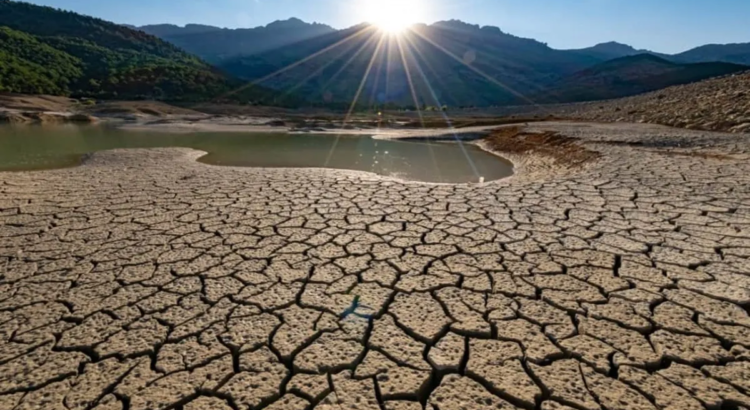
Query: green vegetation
[[49, 51], [30, 66]]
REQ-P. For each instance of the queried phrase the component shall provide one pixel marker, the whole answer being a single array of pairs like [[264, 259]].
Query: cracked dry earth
[[146, 280]]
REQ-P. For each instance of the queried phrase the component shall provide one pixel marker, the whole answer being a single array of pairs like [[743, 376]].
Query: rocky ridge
[[718, 104]]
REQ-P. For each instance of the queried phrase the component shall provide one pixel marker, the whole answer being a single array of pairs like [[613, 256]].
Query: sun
[[392, 16]]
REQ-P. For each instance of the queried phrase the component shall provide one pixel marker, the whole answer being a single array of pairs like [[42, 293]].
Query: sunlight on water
[[28, 148]]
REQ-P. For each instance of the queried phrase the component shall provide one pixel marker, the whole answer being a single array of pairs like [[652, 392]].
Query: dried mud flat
[[146, 280]]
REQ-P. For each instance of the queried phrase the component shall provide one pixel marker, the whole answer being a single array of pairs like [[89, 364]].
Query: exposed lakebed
[[37, 147]]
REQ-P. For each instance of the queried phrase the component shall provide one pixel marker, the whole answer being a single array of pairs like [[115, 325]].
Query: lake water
[[44, 147]]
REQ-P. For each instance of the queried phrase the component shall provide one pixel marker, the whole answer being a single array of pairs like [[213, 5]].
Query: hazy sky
[[660, 25]]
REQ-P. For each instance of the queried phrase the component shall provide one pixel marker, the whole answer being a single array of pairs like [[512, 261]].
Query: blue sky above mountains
[[668, 26]]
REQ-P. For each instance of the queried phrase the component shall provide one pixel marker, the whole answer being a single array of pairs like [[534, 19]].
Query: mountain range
[[626, 76], [290, 62], [726, 53], [215, 44], [449, 63], [458, 64]]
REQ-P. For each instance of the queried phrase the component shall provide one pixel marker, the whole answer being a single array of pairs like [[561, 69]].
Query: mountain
[[612, 50], [215, 44], [449, 62], [459, 64], [726, 53], [608, 50], [45, 50], [631, 75], [730, 53], [168, 30]]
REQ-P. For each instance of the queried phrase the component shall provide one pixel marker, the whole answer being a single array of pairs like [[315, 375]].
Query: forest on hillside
[[48, 51]]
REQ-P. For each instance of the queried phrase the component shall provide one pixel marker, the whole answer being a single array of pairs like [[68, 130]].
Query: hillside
[[458, 64], [610, 50], [717, 104], [632, 75], [49, 51], [215, 44], [167, 30], [724, 53], [451, 63], [732, 53]]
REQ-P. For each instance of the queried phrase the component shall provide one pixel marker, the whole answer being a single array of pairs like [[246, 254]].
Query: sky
[[668, 26]]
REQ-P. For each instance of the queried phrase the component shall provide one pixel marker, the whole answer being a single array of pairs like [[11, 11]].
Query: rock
[[12, 118], [81, 118], [44, 117], [717, 104]]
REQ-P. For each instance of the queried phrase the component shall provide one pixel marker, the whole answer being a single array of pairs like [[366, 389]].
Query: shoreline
[[469, 135], [183, 127]]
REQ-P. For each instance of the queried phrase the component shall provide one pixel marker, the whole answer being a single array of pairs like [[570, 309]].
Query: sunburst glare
[[392, 16]]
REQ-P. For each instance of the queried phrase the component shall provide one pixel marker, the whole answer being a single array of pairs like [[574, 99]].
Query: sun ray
[[416, 104], [299, 62], [378, 72], [320, 70], [362, 48], [354, 101], [476, 70], [415, 48], [364, 77], [409, 80], [447, 119]]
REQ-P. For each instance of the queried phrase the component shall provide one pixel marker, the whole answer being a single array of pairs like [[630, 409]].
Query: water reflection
[[24, 148]]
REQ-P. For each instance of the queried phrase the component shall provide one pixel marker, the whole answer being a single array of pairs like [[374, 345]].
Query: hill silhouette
[[460, 64], [450, 62], [216, 44], [732, 53], [631, 75]]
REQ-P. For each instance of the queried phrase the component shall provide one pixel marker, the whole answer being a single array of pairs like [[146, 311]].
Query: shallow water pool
[[46, 147]]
